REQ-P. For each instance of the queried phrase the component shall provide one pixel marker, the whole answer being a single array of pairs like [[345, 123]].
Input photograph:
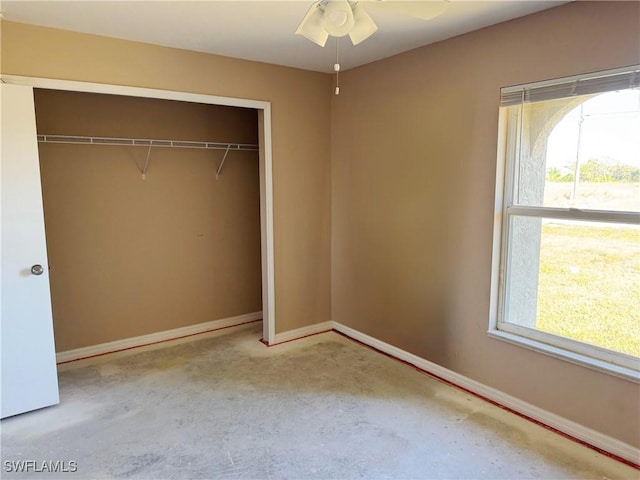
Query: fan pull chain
[[336, 66]]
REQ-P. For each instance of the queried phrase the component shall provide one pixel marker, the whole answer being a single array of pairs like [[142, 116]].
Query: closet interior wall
[[129, 256]]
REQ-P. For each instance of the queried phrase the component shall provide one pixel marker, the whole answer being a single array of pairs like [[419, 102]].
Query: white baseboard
[[302, 332], [101, 349], [573, 429]]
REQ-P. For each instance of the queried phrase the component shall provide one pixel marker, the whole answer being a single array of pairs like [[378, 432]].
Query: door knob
[[37, 270]]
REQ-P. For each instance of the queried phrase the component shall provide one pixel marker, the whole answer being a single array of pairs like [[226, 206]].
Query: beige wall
[[128, 256], [301, 144], [413, 169]]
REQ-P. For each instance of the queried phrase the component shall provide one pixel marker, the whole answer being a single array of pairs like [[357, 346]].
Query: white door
[[29, 375]]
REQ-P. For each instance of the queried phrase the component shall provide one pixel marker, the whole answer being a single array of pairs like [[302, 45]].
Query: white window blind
[[573, 86]]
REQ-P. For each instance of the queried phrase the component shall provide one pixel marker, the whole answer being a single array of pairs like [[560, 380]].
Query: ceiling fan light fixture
[[312, 26], [363, 26], [338, 18]]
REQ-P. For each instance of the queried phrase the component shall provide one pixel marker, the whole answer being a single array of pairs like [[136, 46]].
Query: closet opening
[[181, 263], [152, 214]]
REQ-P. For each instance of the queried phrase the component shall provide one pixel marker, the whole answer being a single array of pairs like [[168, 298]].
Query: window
[[566, 271]]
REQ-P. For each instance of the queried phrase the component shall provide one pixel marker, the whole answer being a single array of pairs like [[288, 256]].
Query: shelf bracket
[[226, 152]]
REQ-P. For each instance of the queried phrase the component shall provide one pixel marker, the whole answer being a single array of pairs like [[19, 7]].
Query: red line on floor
[[499, 405], [262, 340]]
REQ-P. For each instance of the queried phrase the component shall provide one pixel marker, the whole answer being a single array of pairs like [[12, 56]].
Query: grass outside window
[[589, 284]]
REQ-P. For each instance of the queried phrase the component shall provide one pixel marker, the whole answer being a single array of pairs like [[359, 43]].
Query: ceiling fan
[[338, 18]]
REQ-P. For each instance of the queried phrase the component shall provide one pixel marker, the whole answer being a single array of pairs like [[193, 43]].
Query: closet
[[146, 236]]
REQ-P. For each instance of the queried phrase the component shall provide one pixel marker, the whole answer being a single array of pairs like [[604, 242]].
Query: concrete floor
[[222, 405]]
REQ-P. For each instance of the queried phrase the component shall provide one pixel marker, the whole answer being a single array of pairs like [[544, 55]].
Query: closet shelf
[[145, 142]]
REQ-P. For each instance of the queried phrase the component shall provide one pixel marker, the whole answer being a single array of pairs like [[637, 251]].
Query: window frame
[[598, 358]]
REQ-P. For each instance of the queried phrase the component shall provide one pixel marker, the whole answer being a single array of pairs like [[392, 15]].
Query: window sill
[[569, 356]]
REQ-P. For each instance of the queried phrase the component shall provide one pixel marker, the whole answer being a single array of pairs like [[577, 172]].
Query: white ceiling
[[261, 30]]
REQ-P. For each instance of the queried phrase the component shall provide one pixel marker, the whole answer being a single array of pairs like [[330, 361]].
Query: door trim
[[266, 167]]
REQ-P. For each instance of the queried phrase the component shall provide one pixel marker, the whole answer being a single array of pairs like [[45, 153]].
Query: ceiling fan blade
[[311, 26], [425, 10]]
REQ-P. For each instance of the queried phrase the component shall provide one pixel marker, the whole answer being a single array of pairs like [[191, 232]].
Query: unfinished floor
[[222, 405]]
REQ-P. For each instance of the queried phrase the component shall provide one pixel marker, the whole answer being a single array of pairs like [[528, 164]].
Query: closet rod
[[145, 142]]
